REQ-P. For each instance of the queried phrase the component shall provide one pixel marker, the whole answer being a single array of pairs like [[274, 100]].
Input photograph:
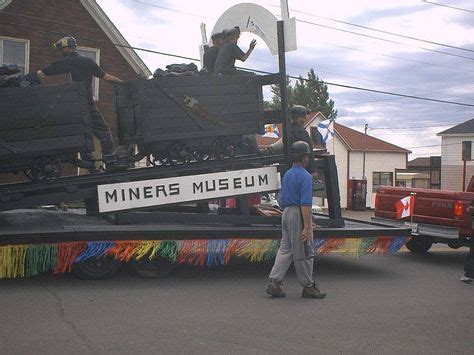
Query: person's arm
[[56, 68], [98, 72], [306, 204], [250, 50], [110, 78], [307, 223]]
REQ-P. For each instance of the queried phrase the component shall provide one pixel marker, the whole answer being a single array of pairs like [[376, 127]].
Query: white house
[[382, 159], [451, 155]]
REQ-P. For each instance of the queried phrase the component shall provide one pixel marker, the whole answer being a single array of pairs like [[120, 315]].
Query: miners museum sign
[[148, 193]]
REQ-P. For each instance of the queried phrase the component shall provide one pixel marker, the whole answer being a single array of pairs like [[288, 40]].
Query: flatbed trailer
[[35, 241], [39, 226]]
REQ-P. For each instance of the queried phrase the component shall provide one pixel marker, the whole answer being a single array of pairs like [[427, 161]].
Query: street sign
[[159, 192]]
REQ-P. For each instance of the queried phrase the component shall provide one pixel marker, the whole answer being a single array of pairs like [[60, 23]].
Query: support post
[[283, 93], [332, 189]]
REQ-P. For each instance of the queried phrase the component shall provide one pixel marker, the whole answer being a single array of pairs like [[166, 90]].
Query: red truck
[[438, 216]]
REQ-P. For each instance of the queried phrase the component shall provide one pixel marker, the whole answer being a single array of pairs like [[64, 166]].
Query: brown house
[[28, 28]]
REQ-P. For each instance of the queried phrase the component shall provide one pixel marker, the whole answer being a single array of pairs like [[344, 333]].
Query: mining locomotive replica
[[170, 121]]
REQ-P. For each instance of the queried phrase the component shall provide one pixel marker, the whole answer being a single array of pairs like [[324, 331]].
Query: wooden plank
[[56, 145], [161, 102], [25, 117], [216, 110], [41, 132], [213, 80], [179, 134]]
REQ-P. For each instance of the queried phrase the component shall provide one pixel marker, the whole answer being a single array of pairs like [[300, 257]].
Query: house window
[[94, 54], [381, 179], [15, 51]]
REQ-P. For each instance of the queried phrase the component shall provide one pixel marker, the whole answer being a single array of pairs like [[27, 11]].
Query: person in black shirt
[[83, 69], [298, 133], [210, 55], [230, 51]]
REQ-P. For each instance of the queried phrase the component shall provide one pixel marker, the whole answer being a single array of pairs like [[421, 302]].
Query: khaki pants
[[292, 248]]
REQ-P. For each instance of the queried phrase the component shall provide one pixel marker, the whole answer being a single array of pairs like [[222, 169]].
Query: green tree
[[311, 92]]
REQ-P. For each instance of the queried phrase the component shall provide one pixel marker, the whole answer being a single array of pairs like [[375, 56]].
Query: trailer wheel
[[44, 169], [224, 148], [96, 268], [419, 244], [157, 268], [179, 153]]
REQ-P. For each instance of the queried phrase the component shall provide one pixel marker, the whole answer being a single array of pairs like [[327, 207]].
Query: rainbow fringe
[[30, 260]]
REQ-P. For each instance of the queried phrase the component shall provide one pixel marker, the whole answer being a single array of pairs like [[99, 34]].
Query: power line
[[259, 71], [359, 78], [434, 145], [356, 33], [383, 31], [399, 58], [383, 39], [411, 127], [448, 6], [170, 9]]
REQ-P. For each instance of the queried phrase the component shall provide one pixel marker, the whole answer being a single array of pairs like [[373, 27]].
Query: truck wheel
[[419, 244], [157, 268], [97, 268]]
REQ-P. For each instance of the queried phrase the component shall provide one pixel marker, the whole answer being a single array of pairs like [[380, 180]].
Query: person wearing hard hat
[[83, 69], [210, 56], [298, 133], [296, 199]]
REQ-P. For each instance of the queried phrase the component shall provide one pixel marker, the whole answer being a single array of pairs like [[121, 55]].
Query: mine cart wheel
[[158, 159], [44, 169], [96, 268], [157, 268], [419, 244], [201, 155], [179, 153], [224, 148]]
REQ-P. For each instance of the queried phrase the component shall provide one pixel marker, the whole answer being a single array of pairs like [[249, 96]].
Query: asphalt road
[[400, 304]]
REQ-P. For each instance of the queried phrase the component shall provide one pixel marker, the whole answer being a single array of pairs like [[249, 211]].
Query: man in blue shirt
[[296, 199]]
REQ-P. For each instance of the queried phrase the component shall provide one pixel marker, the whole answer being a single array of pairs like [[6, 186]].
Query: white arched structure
[[259, 21]]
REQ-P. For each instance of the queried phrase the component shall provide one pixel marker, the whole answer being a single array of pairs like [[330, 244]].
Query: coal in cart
[[189, 118]]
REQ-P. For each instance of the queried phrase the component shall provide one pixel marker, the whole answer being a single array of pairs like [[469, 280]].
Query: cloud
[[370, 63]]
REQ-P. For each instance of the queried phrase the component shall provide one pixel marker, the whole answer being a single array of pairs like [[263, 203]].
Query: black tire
[[419, 244], [96, 268], [157, 268]]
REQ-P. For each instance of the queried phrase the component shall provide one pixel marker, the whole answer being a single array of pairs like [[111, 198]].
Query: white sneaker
[[466, 279]]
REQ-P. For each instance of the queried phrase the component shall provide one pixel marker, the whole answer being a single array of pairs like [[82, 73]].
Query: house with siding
[[451, 155], [28, 28], [382, 159]]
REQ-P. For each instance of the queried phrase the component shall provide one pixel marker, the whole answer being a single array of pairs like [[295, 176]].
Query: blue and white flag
[[272, 131], [326, 129]]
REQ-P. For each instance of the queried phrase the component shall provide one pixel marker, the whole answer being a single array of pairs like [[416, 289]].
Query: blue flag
[[326, 129]]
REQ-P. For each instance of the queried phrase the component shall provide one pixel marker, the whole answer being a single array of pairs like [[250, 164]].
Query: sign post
[[283, 92]]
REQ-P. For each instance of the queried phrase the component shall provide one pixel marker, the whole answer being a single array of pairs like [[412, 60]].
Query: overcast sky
[[340, 57]]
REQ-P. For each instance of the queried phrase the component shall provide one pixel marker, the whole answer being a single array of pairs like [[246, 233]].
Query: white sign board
[[148, 193], [259, 21]]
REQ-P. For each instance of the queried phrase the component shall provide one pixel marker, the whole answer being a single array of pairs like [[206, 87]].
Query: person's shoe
[[312, 292], [466, 279], [274, 289]]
